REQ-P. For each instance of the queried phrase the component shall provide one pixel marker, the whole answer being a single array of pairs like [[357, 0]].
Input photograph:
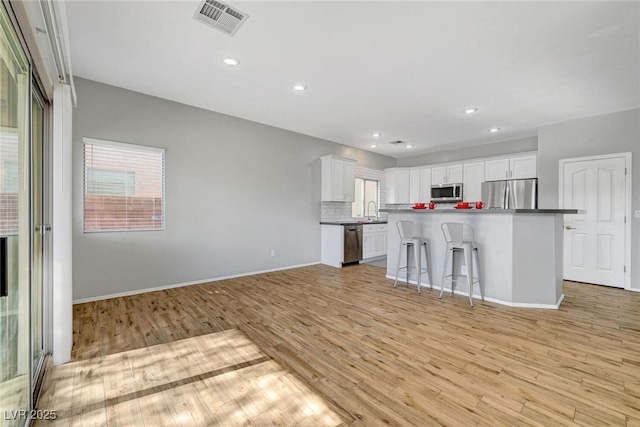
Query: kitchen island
[[520, 251]]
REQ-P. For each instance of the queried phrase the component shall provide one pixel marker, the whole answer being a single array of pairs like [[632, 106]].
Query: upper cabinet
[[496, 169], [472, 184], [415, 186], [446, 174], [524, 166], [397, 183], [425, 185], [516, 167], [406, 185], [338, 179]]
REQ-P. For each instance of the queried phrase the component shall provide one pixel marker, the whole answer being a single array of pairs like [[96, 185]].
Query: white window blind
[[123, 186], [9, 183]]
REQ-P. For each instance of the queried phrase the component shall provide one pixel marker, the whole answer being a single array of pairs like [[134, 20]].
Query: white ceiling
[[404, 69]]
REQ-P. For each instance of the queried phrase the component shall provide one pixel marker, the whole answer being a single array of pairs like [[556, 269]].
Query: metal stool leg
[[427, 256], [475, 251], [417, 261], [469, 264], [408, 264], [398, 265], [444, 270], [454, 276]]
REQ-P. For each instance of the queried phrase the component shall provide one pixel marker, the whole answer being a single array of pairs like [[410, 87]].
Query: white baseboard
[[195, 282], [477, 296], [527, 305]]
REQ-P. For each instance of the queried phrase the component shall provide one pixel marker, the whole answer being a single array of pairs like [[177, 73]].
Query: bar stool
[[411, 238], [460, 238]]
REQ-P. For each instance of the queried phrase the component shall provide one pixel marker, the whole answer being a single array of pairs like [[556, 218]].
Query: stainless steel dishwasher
[[352, 243]]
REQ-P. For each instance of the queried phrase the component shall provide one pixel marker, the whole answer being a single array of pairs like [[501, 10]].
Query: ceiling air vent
[[398, 142], [220, 16]]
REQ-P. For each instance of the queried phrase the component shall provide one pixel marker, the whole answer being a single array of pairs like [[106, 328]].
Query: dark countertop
[[487, 211], [352, 223]]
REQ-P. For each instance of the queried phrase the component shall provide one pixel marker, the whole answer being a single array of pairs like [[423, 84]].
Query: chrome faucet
[[375, 210]]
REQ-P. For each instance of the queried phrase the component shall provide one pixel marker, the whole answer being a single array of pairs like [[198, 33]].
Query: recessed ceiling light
[[409, 146], [373, 145], [376, 135], [231, 61], [470, 110], [299, 88], [494, 130]]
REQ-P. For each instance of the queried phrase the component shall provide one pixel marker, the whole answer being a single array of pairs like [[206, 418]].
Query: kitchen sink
[[371, 221]]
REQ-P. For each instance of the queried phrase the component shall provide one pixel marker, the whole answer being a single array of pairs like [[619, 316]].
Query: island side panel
[[331, 245], [538, 260]]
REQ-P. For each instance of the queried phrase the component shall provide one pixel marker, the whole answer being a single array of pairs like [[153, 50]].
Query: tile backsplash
[[335, 211]]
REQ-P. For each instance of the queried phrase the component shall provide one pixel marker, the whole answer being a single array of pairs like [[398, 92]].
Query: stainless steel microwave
[[446, 192]]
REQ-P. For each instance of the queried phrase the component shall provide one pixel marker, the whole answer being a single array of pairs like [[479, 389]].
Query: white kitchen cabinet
[[349, 180], [425, 187], [374, 240], [338, 179], [438, 175], [380, 243], [454, 173], [415, 186], [420, 184], [446, 174], [496, 169], [331, 245], [524, 166], [368, 245], [473, 177], [515, 167], [397, 183]]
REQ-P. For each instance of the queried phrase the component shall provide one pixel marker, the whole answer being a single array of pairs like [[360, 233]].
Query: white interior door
[[594, 242]]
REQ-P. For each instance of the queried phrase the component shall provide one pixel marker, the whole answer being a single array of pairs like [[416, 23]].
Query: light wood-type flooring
[[323, 346]]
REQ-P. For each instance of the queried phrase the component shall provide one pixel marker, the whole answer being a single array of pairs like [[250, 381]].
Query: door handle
[[4, 274], [43, 229], [568, 227]]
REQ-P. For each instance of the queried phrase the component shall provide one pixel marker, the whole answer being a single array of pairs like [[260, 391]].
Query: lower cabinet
[[374, 240]]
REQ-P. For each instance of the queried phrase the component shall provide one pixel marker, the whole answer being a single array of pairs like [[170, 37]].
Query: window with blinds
[[123, 187]]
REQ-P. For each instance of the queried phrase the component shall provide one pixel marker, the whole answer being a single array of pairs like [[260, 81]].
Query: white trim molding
[[195, 282], [488, 299]]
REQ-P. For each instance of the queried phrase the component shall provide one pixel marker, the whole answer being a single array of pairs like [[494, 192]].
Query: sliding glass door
[[23, 229], [40, 230], [15, 227]]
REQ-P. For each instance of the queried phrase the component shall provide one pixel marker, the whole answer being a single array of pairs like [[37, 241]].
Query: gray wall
[[609, 133], [501, 148], [235, 189]]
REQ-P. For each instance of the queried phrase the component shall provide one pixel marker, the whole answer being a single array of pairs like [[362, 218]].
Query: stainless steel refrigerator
[[510, 194]]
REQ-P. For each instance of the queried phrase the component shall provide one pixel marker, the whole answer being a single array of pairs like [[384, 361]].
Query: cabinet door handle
[[568, 227]]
